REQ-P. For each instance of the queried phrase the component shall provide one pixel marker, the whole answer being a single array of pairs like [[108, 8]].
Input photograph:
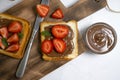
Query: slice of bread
[[23, 42], [73, 25]]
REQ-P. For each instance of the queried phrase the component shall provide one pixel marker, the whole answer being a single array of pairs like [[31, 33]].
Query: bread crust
[[73, 25], [26, 30]]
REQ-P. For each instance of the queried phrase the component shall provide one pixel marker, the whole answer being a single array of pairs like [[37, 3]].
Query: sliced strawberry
[[1, 44], [59, 45], [15, 27], [42, 10], [58, 14], [13, 48], [13, 39], [47, 46], [60, 31], [4, 32]]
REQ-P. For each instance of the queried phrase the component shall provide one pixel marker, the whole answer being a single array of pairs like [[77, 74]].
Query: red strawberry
[[13, 48], [47, 46], [42, 10], [4, 32], [15, 27], [1, 44], [13, 39], [60, 31], [59, 45], [58, 14]]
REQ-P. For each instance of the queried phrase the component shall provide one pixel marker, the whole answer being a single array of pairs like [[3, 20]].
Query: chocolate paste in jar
[[101, 38], [69, 43]]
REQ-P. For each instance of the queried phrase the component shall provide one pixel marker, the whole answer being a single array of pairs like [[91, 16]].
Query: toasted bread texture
[[23, 42], [73, 25]]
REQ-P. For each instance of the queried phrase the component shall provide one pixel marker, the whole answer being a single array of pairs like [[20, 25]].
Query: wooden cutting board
[[36, 67]]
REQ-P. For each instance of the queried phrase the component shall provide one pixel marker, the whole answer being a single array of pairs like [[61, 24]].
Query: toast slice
[[73, 25], [23, 41]]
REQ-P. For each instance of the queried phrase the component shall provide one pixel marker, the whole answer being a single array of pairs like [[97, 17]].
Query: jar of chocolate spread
[[101, 38]]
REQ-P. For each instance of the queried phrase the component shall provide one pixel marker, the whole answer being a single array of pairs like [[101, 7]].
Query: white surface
[[6, 4], [92, 66], [68, 3]]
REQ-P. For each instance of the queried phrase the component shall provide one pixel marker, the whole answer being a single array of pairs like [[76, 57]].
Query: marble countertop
[[6, 4]]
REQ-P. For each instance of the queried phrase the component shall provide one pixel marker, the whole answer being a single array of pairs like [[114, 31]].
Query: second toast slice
[[71, 41]]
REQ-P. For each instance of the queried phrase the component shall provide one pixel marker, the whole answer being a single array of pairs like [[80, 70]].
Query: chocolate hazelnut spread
[[69, 43], [101, 38], [4, 22]]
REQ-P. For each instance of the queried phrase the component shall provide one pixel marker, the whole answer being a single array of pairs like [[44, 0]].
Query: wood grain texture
[[36, 67]]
